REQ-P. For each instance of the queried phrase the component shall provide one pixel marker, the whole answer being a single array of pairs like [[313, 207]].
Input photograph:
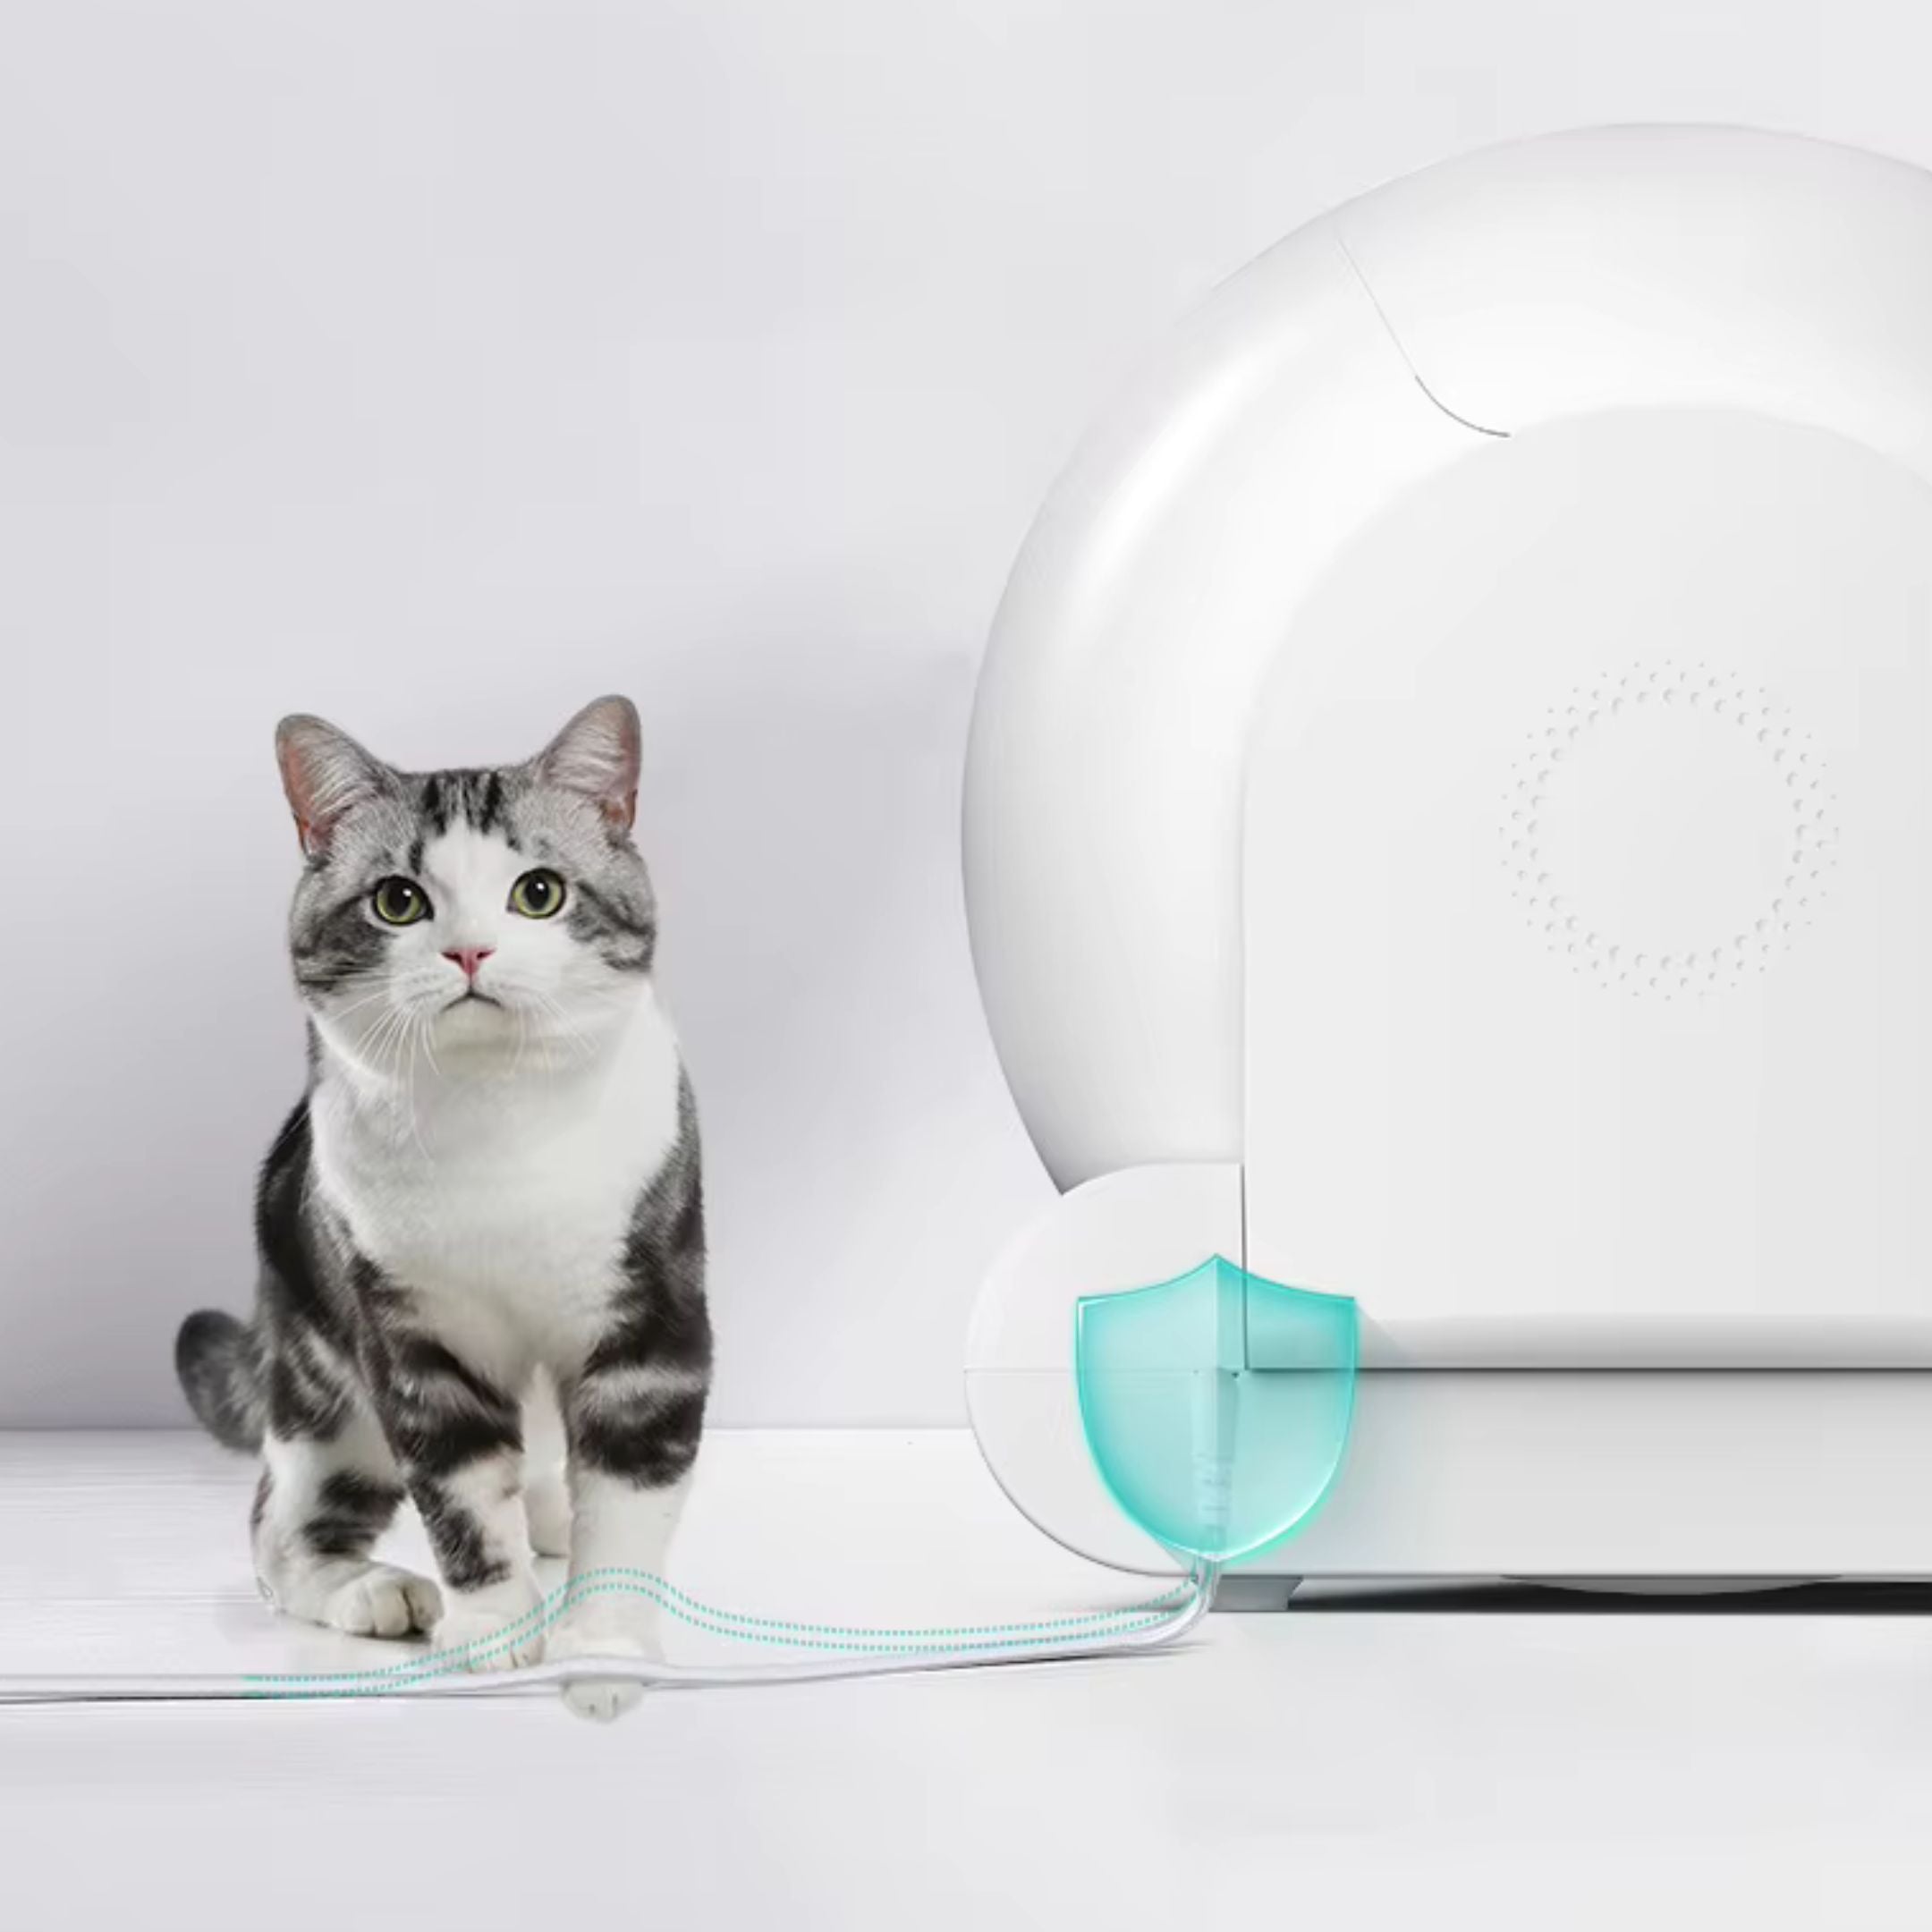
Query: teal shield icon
[[1217, 1405]]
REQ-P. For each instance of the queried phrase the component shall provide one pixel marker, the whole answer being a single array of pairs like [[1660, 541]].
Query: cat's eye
[[538, 895], [399, 902]]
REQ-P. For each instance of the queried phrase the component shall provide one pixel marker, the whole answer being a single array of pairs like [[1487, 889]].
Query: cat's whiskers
[[573, 1035], [381, 992], [415, 1028], [370, 1053], [428, 1028]]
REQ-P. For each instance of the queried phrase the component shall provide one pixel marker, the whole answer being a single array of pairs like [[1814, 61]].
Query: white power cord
[[447, 1674]]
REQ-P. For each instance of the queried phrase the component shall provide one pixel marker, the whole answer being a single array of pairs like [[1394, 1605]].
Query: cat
[[487, 1210]]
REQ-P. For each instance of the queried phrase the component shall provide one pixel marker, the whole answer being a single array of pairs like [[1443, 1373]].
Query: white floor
[[1472, 1761]]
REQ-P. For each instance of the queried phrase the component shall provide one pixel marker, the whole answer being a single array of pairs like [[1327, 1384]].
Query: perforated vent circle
[[1668, 831]]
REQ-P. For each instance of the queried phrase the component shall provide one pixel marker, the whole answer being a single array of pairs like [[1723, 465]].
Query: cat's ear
[[325, 773], [596, 755]]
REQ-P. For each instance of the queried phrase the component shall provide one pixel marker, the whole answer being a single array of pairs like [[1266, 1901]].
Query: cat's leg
[[633, 1410], [457, 1438], [319, 1505], [546, 1489], [633, 1433], [547, 1504]]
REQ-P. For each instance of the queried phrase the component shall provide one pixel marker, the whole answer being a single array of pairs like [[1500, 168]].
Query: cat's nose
[[468, 958]]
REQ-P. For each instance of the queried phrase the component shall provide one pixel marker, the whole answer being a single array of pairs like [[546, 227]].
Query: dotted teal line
[[618, 1580]]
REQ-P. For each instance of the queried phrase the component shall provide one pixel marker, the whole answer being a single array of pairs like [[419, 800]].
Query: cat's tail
[[218, 1360]]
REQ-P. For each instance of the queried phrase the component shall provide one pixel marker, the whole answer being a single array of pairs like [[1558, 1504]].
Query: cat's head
[[475, 913]]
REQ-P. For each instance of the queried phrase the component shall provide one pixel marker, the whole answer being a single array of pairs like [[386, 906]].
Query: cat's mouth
[[472, 998]]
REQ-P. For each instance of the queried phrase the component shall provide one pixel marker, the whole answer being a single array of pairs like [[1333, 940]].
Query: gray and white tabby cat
[[489, 1200]]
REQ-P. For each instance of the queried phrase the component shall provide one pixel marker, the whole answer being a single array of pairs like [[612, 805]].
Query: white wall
[[437, 366]]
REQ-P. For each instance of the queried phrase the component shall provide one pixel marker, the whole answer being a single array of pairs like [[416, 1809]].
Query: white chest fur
[[501, 1198]]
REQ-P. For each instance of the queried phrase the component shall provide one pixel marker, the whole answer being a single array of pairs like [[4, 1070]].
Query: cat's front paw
[[494, 1628], [379, 1600], [586, 1633]]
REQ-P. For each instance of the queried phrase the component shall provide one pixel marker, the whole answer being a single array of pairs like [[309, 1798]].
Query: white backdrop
[[438, 364]]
